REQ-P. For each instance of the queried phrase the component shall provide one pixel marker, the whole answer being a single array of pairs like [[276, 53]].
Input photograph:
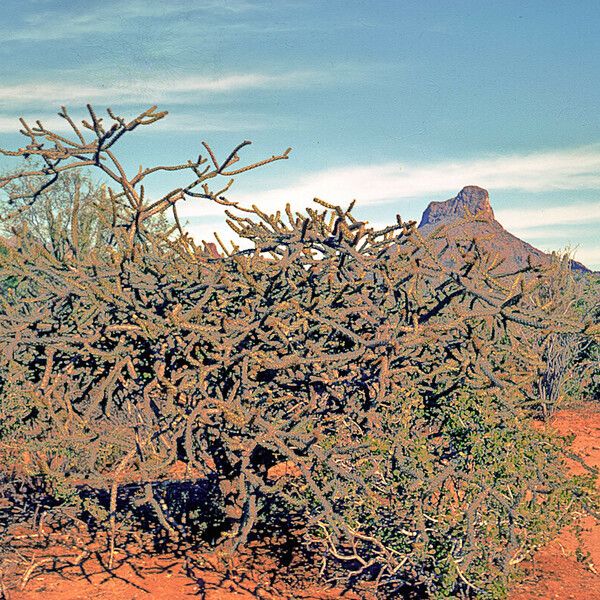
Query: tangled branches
[[66, 154], [394, 386]]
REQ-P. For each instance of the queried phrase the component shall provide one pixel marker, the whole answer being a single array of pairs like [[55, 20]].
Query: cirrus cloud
[[176, 90], [569, 169]]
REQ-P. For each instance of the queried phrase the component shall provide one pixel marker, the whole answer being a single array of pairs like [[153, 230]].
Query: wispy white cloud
[[12, 124], [179, 90], [571, 169], [559, 233], [575, 236], [557, 227], [527, 219], [113, 17], [209, 121], [187, 17]]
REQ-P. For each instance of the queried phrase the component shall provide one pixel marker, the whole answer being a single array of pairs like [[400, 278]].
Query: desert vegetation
[[338, 387]]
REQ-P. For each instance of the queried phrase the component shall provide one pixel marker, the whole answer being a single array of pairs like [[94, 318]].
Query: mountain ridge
[[474, 201]]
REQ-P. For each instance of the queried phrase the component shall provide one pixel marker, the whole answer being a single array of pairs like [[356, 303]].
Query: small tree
[[65, 207], [27, 187]]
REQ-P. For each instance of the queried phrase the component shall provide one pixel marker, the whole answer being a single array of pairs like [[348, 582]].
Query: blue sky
[[393, 103]]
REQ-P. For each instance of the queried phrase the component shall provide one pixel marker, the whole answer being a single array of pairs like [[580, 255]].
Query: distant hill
[[488, 232]]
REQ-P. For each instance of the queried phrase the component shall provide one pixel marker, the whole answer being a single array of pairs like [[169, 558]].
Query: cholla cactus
[[393, 387]]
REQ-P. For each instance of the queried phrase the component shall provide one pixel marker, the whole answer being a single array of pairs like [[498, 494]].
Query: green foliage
[[6, 283]]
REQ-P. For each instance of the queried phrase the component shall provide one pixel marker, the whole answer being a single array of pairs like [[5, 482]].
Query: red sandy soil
[[164, 578], [555, 572]]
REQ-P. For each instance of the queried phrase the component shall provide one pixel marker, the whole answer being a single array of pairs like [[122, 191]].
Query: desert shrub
[[395, 390], [583, 374], [569, 370]]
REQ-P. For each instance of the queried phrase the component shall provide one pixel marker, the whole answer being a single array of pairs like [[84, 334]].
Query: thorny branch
[[395, 386], [59, 154]]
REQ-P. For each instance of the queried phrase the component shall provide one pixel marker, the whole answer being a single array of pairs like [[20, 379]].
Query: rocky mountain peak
[[492, 237], [471, 198]]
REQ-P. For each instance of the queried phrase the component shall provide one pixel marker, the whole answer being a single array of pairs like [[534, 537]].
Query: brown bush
[[397, 390]]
